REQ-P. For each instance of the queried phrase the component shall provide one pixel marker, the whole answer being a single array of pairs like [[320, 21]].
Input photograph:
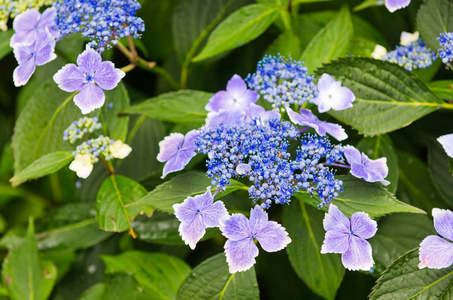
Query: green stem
[[134, 130]]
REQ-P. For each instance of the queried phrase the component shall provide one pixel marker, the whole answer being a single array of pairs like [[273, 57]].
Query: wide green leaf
[[24, 274], [321, 272], [287, 44], [185, 106], [434, 17], [212, 280], [117, 286], [440, 171], [44, 165], [330, 42], [160, 274], [388, 97], [239, 28], [443, 89], [116, 192], [404, 280], [5, 37], [382, 146]]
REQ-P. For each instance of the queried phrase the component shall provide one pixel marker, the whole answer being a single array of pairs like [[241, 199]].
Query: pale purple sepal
[[362, 226], [435, 253], [447, 143], [368, 169], [90, 77], [335, 242], [443, 222], [307, 118], [255, 111], [177, 150], [236, 96], [31, 26], [393, 5], [335, 220], [198, 213], [240, 249], [332, 95], [358, 256], [225, 117]]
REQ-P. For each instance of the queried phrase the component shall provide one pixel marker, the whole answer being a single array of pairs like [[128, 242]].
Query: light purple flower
[[198, 213], [332, 95], [436, 252], [225, 117], [177, 150], [307, 118], [31, 55], [236, 96], [368, 169], [240, 248], [259, 111], [31, 26], [447, 142], [348, 237], [393, 5], [90, 77]]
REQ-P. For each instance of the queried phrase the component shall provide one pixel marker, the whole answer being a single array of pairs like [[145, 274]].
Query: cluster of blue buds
[[95, 147], [446, 47], [282, 81], [416, 55], [103, 21], [81, 128]]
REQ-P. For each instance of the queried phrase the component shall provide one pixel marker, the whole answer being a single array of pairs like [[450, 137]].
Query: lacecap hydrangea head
[[446, 47], [417, 55]]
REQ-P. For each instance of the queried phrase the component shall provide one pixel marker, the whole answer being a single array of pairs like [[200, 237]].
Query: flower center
[[89, 78]]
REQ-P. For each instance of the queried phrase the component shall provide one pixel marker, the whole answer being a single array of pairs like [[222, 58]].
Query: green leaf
[[117, 286], [359, 195], [450, 165], [398, 234], [239, 28], [321, 272], [287, 44], [443, 89], [44, 165], [184, 106], [433, 18], [116, 125], [212, 280], [404, 280], [382, 146], [5, 37], [160, 274], [440, 171], [24, 274], [388, 97], [116, 192], [179, 188], [330, 42]]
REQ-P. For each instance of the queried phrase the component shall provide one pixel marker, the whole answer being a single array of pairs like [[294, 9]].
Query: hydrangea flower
[[446, 47], [417, 55], [363, 167], [81, 128], [31, 55], [90, 78], [393, 5], [332, 95], [12, 8], [307, 118], [236, 96], [177, 150], [447, 143], [119, 149], [225, 117], [407, 38], [240, 248], [348, 237], [256, 111], [82, 165], [379, 52], [436, 252], [198, 213]]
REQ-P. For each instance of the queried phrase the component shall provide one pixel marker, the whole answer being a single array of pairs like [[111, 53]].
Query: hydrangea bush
[[195, 149]]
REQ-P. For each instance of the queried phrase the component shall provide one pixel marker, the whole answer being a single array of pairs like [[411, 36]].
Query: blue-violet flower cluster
[[446, 47], [417, 55]]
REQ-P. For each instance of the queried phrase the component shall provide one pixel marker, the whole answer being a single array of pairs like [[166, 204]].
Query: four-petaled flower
[[393, 5], [177, 150], [240, 248], [119, 149], [348, 237], [307, 118], [368, 169], [332, 95], [82, 165], [198, 213], [447, 143], [90, 77], [436, 252]]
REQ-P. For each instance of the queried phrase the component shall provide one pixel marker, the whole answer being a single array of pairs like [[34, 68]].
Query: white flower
[[407, 38], [379, 52], [82, 165], [120, 150]]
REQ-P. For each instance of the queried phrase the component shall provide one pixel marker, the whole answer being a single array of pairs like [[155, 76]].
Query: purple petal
[[23, 37], [89, 98], [186, 211], [447, 142], [89, 61], [23, 52], [272, 237], [236, 227], [443, 222], [332, 129], [358, 256], [362, 225], [192, 232], [218, 101], [236, 87], [45, 52], [353, 156], [258, 219], [335, 242], [241, 254], [393, 5], [325, 82], [376, 170], [336, 220], [23, 72], [69, 78], [107, 77], [233, 118], [332, 95], [26, 21], [169, 146], [189, 140], [214, 214], [178, 162], [343, 99], [435, 253], [256, 111], [305, 118]]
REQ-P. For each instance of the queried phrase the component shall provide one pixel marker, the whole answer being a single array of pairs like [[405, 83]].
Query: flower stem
[[340, 165]]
